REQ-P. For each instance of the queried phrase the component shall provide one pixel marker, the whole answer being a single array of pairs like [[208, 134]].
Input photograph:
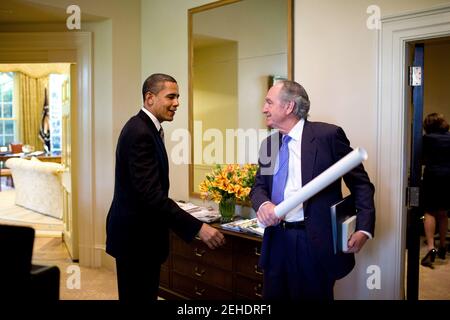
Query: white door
[[70, 233]]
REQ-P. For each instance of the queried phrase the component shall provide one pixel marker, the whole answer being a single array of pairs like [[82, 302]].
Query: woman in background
[[436, 182]]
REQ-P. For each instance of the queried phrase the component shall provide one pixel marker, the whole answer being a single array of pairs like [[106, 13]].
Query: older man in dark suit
[[141, 212], [297, 251]]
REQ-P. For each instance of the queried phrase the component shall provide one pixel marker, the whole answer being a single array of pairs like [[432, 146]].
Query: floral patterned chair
[[38, 185]]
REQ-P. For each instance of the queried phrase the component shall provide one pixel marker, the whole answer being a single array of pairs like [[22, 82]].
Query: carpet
[[10, 213]]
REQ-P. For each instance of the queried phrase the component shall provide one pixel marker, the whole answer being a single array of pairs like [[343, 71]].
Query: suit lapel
[[162, 154], [308, 154]]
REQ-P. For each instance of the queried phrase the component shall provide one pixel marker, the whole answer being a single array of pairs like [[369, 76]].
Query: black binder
[[343, 222]]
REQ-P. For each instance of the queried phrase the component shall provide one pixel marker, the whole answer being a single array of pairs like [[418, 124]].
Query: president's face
[[274, 109], [164, 104]]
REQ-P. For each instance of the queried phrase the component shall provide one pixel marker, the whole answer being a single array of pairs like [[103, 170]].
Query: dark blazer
[[436, 175], [322, 145], [141, 212]]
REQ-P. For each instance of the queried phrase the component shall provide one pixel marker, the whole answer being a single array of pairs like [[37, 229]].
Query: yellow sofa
[[38, 185]]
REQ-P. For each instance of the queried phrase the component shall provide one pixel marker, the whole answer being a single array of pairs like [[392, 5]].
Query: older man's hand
[[266, 215]]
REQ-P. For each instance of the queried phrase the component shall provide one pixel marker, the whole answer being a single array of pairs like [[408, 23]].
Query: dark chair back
[[19, 279], [16, 250]]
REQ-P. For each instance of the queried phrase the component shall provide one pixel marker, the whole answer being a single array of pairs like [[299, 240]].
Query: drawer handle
[[199, 253], [257, 252], [199, 273], [258, 290], [257, 270], [199, 292]]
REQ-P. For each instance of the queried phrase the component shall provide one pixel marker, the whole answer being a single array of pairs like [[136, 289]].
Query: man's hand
[[356, 242], [211, 236], [266, 215]]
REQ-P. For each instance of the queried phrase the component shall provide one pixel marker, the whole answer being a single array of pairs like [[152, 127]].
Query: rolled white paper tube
[[322, 181]]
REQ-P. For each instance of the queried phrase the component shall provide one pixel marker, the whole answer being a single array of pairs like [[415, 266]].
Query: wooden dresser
[[193, 271]]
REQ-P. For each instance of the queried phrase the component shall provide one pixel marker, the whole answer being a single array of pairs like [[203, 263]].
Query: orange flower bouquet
[[227, 184]]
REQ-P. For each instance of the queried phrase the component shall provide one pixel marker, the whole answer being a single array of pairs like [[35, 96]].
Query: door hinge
[[412, 196], [415, 76]]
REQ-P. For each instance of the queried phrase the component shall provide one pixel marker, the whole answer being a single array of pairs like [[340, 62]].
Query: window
[[8, 121], [57, 99]]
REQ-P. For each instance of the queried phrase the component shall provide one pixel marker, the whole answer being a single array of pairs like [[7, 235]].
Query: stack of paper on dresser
[[245, 225], [204, 214]]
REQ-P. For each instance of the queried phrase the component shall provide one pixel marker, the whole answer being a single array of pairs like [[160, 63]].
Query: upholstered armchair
[[38, 185]]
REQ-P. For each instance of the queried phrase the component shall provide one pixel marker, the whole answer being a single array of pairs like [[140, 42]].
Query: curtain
[[30, 104]]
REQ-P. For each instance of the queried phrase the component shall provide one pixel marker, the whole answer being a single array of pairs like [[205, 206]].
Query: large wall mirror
[[236, 49]]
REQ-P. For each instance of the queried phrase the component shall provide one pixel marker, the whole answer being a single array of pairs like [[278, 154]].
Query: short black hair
[[155, 83], [435, 123]]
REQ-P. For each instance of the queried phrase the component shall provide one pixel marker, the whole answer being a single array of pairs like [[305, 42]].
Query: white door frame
[[70, 47], [392, 153]]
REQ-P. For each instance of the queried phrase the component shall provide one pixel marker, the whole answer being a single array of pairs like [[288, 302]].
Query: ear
[[289, 107], [149, 98]]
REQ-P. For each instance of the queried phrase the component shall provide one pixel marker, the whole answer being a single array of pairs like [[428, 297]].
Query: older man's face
[[274, 109]]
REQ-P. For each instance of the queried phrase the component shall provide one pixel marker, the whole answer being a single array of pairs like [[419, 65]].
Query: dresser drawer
[[248, 248], [164, 276], [198, 251], [195, 289], [248, 288], [246, 257], [208, 274]]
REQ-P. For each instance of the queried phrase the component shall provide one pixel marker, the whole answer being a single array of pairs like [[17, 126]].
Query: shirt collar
[[297, 130], [153, 118]]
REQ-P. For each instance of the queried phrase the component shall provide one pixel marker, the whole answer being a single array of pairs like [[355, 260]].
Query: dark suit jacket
[[141, 213], [436, 175], [322, 145]]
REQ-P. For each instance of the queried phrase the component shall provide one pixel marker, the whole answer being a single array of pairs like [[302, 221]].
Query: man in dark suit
[[141, 212], [297, 251]]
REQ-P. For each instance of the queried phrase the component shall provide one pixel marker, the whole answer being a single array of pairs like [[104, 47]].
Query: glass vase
[[227, 208]]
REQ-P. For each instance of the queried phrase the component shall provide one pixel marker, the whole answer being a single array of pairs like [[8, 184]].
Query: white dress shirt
[[294, 179], [155, 121]]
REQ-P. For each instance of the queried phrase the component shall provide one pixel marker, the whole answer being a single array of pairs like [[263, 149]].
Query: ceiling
[[22, 11]]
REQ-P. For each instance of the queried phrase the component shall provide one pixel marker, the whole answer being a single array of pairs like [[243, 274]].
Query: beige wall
[[168, 53], [437, 79], [125, 47]]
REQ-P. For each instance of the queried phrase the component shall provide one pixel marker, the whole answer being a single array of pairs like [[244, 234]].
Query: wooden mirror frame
[[209, 6]]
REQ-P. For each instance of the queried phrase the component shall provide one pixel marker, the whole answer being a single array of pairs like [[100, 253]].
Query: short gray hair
[[292, 91]]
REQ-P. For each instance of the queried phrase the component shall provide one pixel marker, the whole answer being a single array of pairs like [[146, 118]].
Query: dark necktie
[[280, 176], [161, 134]]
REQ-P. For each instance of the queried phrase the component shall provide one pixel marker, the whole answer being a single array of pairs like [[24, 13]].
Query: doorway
[[427, 95], [40, 121], [393, 132]]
